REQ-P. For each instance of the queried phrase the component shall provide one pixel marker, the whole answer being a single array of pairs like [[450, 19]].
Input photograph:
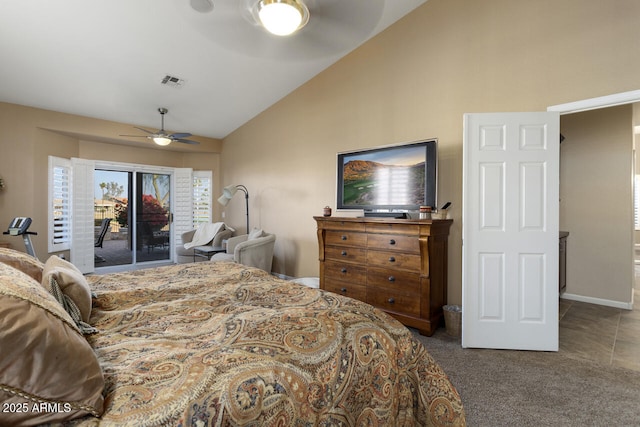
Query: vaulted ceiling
[[207, 61]]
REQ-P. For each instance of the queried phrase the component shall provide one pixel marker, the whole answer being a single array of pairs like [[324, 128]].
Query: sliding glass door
[[153, 217], [112, 194], [135, 207]]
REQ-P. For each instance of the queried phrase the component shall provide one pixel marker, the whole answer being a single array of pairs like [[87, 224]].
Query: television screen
[[392, 178]]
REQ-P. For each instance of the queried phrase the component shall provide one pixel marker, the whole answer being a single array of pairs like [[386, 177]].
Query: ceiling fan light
[[162, 140], [282, 17]]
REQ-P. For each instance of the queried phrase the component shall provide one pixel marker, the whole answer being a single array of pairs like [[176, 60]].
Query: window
[[59, 219], [201, 197]]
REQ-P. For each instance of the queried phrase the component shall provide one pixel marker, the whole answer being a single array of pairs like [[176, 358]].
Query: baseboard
[[598, 301]]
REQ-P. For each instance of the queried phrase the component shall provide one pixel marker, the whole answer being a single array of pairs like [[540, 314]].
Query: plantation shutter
[[59, 218], [183, 204], [636, 202], [83, 235], [202, 181]]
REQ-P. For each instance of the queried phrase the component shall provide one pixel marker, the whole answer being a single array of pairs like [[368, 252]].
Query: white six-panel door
[[510, 231]]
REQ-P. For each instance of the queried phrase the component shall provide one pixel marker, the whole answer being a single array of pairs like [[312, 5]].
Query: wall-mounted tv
[[397, 178]]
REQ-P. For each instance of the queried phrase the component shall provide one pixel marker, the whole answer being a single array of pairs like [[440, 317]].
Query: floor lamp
[[227, 194]]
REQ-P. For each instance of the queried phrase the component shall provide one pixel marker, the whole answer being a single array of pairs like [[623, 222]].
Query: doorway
[[610, 217], [596, 206]]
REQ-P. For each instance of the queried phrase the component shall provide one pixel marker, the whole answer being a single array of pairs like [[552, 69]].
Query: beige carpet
[[526, 388]]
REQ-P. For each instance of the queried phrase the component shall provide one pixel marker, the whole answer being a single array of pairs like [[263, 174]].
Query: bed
[[220, 344]]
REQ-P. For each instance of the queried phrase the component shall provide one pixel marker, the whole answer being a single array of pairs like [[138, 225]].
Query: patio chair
[[104, 227]]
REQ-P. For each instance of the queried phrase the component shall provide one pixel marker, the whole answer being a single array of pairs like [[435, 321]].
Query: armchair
[[254, 250], [187, 255]]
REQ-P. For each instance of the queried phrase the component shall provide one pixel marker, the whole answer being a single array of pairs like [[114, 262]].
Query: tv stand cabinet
[[398, 265]]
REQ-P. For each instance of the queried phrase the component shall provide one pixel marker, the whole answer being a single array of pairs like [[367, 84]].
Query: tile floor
[[603, 334], [117, 252]]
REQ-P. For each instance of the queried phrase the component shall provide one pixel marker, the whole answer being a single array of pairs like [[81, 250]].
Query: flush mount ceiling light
[[283, 17]]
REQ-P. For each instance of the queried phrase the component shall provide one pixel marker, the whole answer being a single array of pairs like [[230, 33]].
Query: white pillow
[[255, 233]]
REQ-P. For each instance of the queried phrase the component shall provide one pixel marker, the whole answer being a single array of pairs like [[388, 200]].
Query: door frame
[[613, 100]]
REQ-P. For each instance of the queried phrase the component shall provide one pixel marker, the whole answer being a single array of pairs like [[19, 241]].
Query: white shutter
[[82, 236], [636, 202], [59, 219], [182, 204], [202, 182]]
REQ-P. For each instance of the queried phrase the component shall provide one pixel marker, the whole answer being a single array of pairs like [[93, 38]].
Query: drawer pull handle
[[344, 253], [343, 237], [392, 279], [343, 290], [392, 242], [344, 270], [392, 259], [391, 300]]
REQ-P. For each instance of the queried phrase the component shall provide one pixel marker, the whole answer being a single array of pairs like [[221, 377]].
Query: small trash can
[[453, 319]]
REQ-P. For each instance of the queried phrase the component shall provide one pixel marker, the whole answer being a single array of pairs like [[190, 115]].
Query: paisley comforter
[[220, 344]]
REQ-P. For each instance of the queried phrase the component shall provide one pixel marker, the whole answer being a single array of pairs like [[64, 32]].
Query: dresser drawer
[[394, 242], [394, 260], [345, 238], [393, 228], [344, 271], [400, 281], [344, 226], [392, 301], [344, 253], [351, 290]]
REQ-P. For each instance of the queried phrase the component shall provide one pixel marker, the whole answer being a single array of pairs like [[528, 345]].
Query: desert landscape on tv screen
[[389, 177]]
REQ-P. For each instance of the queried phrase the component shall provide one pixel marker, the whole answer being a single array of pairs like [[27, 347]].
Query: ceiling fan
[[161, 137], [320, 28]]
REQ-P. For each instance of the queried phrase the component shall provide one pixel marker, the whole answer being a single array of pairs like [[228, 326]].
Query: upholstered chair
[[254, 249]]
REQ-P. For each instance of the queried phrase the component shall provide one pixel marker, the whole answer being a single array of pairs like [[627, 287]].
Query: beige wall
[[596, 202], [29, 135], [415, 81]]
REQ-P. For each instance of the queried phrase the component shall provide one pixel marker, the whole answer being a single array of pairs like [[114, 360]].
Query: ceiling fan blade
[[136, 136], [180, 135], [187, 141], [202, 6], [144, 130]]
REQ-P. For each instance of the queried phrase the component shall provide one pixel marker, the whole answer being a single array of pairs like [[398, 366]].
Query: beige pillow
[[23, 262], [71, 282], [48, 371]]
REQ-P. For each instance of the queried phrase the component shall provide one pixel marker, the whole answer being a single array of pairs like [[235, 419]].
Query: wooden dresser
[[398, 265]]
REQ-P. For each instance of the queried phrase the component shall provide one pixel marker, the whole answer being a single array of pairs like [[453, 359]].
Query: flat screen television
[[397, 178]]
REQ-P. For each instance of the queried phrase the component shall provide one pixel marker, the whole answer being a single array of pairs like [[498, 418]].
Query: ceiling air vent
[[172, 81]]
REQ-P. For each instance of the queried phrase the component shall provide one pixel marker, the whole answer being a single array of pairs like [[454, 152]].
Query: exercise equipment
[[19, 226]]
